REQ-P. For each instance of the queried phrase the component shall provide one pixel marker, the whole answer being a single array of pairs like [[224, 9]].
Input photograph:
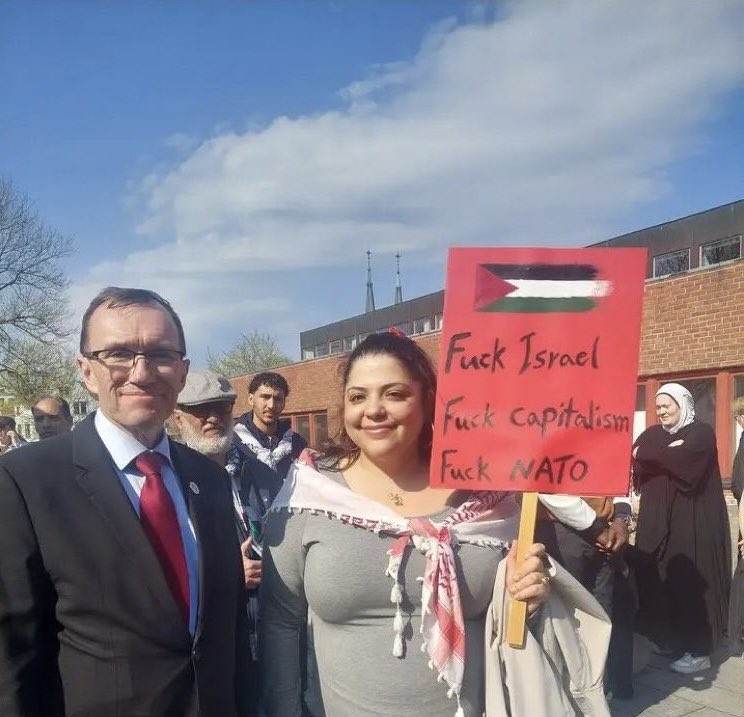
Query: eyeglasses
[[161, 359]]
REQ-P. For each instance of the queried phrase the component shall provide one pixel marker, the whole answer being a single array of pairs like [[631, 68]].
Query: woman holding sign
[[682, 539], [397, 575]]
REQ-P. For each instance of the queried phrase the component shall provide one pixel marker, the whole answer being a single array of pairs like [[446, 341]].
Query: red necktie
[[158, 516]]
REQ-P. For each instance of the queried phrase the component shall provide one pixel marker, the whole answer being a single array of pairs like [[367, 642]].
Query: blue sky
[[240, 157]]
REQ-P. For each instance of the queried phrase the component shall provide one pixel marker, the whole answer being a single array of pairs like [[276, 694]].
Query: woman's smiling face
[[383, 408]]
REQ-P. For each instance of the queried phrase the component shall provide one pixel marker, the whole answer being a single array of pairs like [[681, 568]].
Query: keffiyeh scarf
[[267, 456], [486, 519]]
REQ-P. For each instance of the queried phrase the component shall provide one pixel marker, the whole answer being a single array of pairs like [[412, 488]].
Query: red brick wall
[[694, 322]]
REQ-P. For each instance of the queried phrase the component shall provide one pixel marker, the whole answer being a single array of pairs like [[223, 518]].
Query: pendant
[[396, 498]]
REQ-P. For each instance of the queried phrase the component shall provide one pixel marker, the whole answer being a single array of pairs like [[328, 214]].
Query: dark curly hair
[[270, 379], [342, 450]]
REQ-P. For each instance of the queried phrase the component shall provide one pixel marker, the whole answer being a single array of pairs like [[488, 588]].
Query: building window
[[336, 346], [639, 415], [405, 327], [362, 337], [301, 425], [350, 343], [672, 263], [703, 392], [308, 354], [321, 350], [313, 427], [738, 393], [422, 325], [721, 250], [438, 321], [739, 386], [320, 429]]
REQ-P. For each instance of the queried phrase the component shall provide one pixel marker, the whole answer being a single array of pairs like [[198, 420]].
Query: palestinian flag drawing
[[538, 288]]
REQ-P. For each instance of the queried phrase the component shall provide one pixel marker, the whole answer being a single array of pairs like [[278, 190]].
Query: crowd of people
[[226, 569]]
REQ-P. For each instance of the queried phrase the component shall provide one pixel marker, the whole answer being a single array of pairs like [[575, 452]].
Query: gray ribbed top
[[338, 571]]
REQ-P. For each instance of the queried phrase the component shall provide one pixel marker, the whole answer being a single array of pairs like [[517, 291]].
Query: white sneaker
[[688, 663]]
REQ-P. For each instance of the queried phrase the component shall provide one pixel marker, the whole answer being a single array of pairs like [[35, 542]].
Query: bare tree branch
[[34, 370], [32, 282]]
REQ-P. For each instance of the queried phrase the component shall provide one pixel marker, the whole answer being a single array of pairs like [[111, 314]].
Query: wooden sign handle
[[517, 621]]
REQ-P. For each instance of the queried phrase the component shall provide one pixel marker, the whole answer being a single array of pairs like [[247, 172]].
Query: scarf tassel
[[398, 624], [452, 692], [396, 593]]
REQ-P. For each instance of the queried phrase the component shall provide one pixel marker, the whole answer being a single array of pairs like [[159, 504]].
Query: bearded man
[[203, 418]]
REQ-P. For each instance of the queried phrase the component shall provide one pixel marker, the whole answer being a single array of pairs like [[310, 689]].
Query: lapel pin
[[194, 488]]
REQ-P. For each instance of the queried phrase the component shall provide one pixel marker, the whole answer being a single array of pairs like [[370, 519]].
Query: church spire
[[398, 285], [370, 305]]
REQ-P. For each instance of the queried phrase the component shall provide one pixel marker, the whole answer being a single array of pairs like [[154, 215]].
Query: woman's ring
[[545, 579]]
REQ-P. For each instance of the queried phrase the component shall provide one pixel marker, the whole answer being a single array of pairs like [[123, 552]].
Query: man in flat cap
[[203, 414], [203, 417]]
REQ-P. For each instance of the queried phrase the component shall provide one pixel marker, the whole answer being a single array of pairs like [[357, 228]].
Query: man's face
[[267, 405], [206, 428], [139, 398], [49, 418]]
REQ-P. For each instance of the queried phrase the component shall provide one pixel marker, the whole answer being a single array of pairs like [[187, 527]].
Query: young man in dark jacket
[[267, 445]]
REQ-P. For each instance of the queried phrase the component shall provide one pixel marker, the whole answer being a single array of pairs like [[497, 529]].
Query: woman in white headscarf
[[682, 541]]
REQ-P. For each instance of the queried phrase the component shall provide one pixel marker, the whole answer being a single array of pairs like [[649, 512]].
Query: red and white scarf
[[486, 518]]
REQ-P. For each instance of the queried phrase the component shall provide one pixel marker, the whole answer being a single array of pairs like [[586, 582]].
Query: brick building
[[692, 332]]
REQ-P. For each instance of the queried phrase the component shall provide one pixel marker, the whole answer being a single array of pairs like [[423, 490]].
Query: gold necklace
[[397, 498]]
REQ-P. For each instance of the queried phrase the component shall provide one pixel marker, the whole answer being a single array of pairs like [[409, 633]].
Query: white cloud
[[181, 142], [536, 127]]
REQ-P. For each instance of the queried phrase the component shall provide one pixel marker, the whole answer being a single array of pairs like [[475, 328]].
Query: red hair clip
[[395, 331]]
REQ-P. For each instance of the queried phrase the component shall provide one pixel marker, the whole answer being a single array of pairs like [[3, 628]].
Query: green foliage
[[253, 352]]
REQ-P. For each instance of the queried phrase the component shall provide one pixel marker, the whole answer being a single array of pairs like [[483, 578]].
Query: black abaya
[[683, 537]]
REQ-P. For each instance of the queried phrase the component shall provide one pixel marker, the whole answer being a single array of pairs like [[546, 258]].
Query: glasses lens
[[163, 357], [117, 357], [125, 358]]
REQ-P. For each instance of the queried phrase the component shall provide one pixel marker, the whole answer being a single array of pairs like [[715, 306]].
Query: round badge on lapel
[[194, 488]]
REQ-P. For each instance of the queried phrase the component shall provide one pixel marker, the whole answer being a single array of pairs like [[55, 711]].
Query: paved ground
[[659, 692]]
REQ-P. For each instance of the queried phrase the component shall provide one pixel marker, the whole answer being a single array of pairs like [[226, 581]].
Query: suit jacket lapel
[[200, 514], [96, 475]]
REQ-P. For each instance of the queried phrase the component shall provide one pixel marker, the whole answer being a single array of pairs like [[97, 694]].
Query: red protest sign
[[537, 371]]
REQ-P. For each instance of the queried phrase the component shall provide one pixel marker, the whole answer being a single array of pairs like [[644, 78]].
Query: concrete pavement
[[718, 692]]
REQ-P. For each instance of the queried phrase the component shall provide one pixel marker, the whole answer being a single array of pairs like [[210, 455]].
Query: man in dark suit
[[121, 589]]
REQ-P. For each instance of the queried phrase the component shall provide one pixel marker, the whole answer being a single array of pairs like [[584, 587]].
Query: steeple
[[398, 285], [370, 305]]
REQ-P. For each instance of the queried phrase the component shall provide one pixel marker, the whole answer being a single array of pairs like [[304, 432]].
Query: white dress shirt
[[124, 448]]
